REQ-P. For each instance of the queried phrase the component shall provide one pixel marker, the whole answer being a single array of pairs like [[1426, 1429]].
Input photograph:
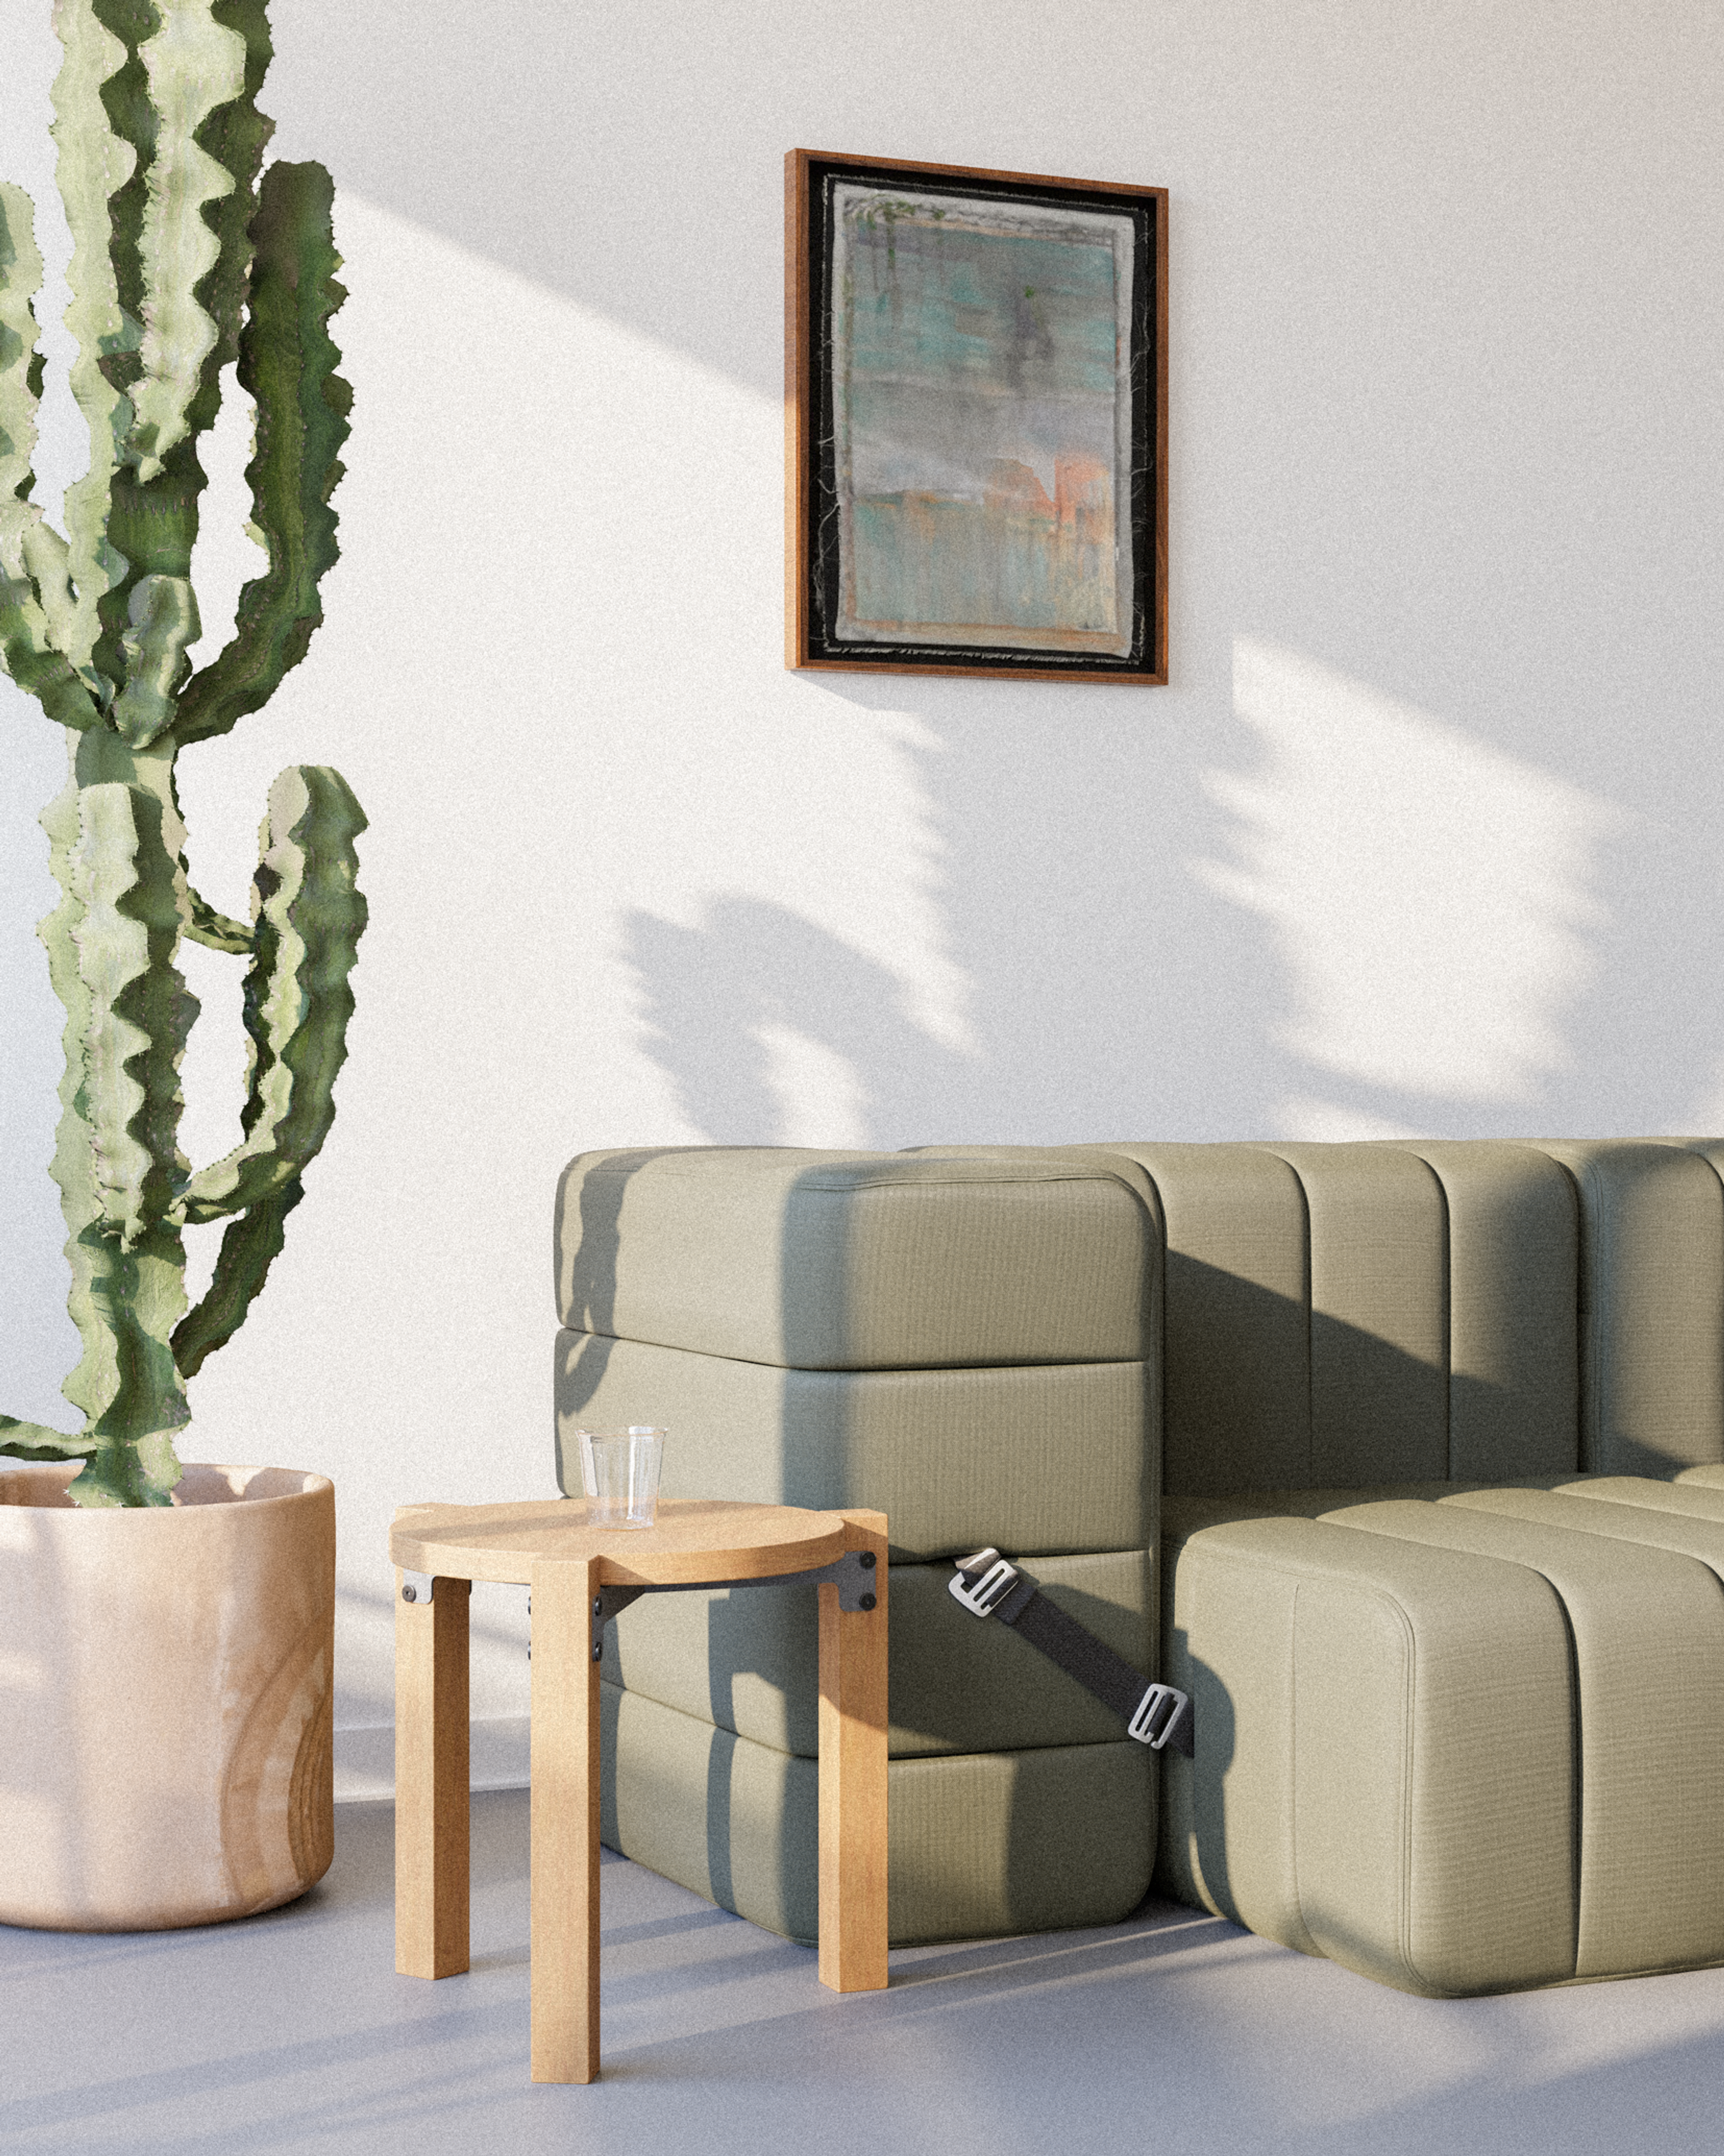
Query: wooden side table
[[579, 1576]]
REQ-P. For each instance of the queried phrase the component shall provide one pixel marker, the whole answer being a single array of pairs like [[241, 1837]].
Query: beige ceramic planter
[[165, 1700]]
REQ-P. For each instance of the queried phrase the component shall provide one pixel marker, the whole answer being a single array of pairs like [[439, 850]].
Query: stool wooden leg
[[431, 1777], [565, 1822], [853, 1777]]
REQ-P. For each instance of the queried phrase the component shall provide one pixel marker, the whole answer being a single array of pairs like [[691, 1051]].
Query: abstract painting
[[976, 403]]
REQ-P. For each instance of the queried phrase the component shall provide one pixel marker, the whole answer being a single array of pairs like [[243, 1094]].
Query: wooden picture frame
[[975, 421]]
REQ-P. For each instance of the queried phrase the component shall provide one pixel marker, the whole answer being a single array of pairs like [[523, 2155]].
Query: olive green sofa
[[1402, 1459]]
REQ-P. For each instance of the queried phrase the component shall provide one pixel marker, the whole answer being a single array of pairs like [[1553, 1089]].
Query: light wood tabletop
[[502, 1543], [552, 1546]]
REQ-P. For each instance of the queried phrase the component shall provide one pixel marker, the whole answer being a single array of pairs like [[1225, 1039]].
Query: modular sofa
[[1402, 1459]]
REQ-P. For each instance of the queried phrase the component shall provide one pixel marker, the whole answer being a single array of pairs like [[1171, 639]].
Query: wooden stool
[[580, 1575]]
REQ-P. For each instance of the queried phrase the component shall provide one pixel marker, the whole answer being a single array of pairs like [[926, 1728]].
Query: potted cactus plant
[[169, 1630]]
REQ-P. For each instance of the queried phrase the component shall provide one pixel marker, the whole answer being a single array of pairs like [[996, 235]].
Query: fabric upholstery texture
[[1406, 1459], [1465, 1746], [1366, 1314], [1054, 1457], [967, 1343], [1652, 1286], [747, 1659], [1376, 1780], [979, 1845], [868, 1261]]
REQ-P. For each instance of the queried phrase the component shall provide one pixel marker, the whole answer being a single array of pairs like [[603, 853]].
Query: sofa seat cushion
[[1463, 1745]]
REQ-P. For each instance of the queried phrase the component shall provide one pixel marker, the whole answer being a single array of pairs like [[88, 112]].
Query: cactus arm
[[35, 1440], [235, 135], [310, 915], [181, 100], [35, 601], [218, 932], [95, 163], [32, 661], [111, 942], [287, 362], [150, 524], [20, 372], [194, 66], [49, 560], [163, 621], [250, 1244]]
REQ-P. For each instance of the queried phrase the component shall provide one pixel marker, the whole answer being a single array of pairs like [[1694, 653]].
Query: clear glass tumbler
[[620, 1469]]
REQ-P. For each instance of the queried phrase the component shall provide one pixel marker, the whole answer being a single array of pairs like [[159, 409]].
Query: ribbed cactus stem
[[181, 263], [308, 916], [37, 609], [94, 165], [111, 943]]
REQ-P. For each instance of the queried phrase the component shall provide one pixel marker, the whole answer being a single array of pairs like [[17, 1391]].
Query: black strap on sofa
[[989, 1585]]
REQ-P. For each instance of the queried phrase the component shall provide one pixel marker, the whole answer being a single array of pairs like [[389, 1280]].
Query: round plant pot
[[165, 1696]]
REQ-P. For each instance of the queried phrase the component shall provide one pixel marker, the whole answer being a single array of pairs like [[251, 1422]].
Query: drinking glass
[[620, 1470]]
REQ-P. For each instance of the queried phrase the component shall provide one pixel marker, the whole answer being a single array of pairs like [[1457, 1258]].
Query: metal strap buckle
[[981, 1597], [1157, 1714]]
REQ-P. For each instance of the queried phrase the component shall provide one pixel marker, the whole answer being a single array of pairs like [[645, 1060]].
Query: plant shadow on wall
[[1043, 968], [777, 1033], [1327, 914]]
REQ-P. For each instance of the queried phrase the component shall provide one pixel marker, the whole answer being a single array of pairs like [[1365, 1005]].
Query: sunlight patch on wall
[[1707, 1115], [1430, 896], [610, 513], [1317, 1122]]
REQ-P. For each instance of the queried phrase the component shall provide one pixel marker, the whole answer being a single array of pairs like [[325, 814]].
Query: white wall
[[1421, 836]]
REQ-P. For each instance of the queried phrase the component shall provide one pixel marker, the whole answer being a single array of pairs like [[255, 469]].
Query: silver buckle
[[998, 1579], [1156, 1713]]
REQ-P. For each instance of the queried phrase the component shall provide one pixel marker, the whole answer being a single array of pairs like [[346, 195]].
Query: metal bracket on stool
[[417, 1586], [853, 1575]]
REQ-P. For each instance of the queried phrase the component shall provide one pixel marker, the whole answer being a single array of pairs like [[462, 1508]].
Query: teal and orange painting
[[982, 423]]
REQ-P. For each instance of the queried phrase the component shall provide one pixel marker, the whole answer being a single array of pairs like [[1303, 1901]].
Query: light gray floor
[[1171, 2032]]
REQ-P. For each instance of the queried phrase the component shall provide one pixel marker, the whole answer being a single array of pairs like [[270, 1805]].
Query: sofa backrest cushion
[[1339, 1315], [1651, 1296], [860, 1261]]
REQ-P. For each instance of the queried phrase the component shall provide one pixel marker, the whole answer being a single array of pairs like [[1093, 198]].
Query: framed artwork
[[976, 407]]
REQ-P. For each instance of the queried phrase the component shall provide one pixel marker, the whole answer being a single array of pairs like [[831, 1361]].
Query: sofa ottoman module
[[1463, 1747], [966, 1344]]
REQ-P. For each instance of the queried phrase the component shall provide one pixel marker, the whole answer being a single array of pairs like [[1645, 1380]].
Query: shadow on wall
[[776, 1033], [1103, 990], [1400, 443], [1386, 927]]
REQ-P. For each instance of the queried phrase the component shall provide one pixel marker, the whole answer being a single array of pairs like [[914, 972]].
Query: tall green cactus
[[184, 261]]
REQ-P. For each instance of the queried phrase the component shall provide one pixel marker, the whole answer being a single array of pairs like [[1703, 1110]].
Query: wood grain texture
[[971, 173], [165, 1759], [549, 1546], [853, 1776], [695, 1539], [798, 393], [565, 1821], [431, 1782], [801, 392], [1158, 509]]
